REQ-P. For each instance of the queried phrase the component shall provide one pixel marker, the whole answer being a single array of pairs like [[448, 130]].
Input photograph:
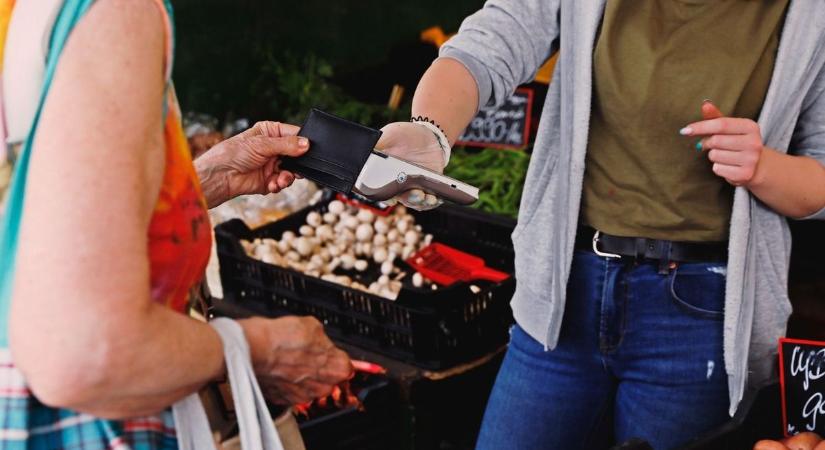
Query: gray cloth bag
[[257, 430]]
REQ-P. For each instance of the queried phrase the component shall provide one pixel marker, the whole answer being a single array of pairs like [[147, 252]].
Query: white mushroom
[[347, 261], [403, 225], [293, 256], [325, 233], [304, 246], [336, 207], [386, 267], [324, 254], [475, 289], [346, 237], [417, 280], [288, 236], [283, 246], [316, 197], [434, 287], [395, 286], [268, 258], [350, 221], [365, 216], [317, 260], [388, 293], [428, 239], [333, 264], [314, 219], [364, 232], [411, 237], [313, 273], [306, 230], [297, 266], [393, 235], [329, 277], [381, 226], [361, 265], [335, 250], [384, 280], [379, 240], [407, 251], [260, 251], [330, 218], [396, 248], [380, 255]]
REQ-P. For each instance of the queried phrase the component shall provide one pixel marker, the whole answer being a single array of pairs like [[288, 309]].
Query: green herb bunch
[[499, 175]]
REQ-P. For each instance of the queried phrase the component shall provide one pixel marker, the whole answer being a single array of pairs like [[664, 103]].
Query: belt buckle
[[599, 252]]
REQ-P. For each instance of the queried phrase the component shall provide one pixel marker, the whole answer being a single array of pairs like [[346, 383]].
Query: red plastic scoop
[[446, 265]]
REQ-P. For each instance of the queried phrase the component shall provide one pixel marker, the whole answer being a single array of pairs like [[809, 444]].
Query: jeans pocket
[[699, 290]]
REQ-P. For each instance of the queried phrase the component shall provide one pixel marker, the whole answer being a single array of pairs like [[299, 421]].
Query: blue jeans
[[639, 355]]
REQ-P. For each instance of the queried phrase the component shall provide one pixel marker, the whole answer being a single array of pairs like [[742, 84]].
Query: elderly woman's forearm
[[213, 182], [119, 366]]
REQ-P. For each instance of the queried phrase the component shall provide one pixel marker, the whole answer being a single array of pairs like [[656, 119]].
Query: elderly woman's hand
[[294, 359], [249, 163]]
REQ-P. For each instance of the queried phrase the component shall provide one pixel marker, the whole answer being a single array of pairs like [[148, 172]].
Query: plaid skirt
[[27, 424]]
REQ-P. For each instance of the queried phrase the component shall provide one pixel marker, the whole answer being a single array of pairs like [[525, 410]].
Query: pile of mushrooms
[[347, 238]]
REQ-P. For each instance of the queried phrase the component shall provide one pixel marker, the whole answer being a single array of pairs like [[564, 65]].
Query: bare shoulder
[[123, 27], [103, 116]]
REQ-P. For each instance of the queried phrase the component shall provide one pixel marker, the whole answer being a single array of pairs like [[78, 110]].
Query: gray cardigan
[[503, 45]]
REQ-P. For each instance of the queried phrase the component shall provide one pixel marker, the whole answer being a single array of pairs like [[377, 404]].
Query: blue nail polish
[[699, 146]]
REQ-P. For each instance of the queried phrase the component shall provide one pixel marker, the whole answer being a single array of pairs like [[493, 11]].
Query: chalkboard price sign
[[802, 376], [505, 127]]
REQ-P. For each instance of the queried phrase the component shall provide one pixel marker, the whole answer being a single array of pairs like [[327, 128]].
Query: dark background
[[370, 44]]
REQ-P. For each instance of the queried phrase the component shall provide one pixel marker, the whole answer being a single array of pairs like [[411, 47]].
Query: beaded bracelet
[[440, 136]]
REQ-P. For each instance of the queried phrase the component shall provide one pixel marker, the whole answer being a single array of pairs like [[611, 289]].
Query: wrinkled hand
[[293, 358], [418, 145], [249, 163], [734, 145]]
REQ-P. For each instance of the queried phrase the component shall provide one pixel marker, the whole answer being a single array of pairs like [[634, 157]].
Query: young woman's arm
[[83, 328], [497, 48], [791, 184]]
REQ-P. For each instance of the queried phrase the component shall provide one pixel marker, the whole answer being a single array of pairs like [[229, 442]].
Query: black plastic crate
[[430, 329], [375, 426], [758, 417]]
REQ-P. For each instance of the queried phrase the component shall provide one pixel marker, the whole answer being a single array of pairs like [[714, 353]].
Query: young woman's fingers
[[731, 142], [723, 125], [725, 157], [710, 111], [734, 175]]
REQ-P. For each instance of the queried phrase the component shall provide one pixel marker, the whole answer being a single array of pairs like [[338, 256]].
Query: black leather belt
[[654, 249]]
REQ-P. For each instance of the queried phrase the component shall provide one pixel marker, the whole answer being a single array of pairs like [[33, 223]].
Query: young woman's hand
[[418, 145], [734, 145], [294, 359], [249, 163]]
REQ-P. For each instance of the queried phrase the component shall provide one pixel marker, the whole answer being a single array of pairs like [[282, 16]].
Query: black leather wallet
[[338, 150]]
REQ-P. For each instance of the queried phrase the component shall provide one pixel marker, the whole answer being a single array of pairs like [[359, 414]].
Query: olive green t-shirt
[[655, 62]]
